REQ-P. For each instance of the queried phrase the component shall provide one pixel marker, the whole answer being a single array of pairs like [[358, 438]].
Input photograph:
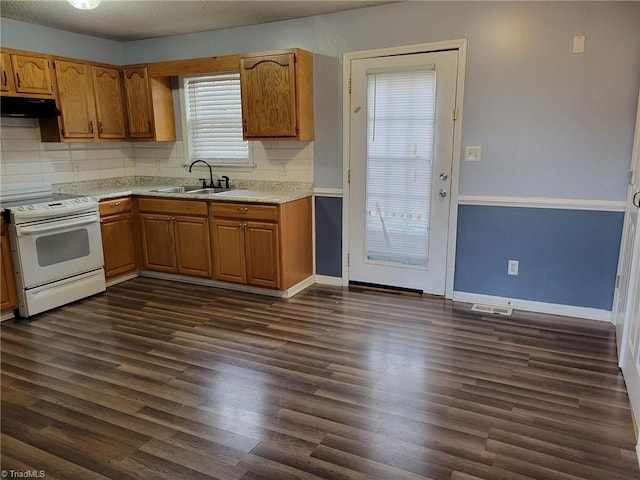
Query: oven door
[[51, 250]]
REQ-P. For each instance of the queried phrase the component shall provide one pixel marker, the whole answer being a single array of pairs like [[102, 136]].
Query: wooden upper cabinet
[[139, 105], [7, 83], [75, 95], [32, 74], [149, 103], [110, 112], [277, 95]]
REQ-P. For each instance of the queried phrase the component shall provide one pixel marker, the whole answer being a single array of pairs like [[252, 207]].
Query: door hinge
[[617, 281], [349, 176], [348, 259], [349, 86], [455, 113], [631, 177]]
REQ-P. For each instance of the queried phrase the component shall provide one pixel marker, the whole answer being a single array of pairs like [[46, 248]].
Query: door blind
[[400, 151], [214, 119]]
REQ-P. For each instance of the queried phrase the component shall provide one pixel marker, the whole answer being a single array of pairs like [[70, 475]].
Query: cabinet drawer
[[245, 210], [116, 205], [180, 207]]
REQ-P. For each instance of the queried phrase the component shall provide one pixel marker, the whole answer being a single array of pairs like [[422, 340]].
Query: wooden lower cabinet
[[8, 295], [117, 224], [174, 236], [262, 245]]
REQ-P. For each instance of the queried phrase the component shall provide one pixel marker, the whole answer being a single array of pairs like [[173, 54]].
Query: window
[[213, 119], [400, 150]]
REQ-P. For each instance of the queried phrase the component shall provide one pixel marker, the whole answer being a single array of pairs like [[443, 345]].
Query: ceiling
[[125, 20]]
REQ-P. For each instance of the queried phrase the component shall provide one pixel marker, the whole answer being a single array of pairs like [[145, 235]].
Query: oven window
[[62, 247]]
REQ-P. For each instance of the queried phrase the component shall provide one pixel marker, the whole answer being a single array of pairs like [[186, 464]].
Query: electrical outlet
[[512, 267]]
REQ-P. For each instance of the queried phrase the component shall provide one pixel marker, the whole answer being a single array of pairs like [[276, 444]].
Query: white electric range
[[56, 246]]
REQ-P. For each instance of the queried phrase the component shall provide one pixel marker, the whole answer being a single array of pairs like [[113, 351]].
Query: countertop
[[274, 197]]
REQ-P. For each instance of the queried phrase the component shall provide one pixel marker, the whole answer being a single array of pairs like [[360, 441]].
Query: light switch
[[472, 154], [578, 44]]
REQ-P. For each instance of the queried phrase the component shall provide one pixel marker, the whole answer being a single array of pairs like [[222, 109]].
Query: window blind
[[213, 111], [400, 151]]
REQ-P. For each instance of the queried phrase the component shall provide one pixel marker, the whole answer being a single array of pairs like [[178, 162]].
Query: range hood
[[28, 107]]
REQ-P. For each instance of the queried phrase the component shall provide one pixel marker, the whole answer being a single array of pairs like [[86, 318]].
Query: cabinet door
[[75, 93], [32, 74], [193, 249], [6, 82], [109, 102], [268, 95], [229, 251], [158, 251], [263, 260], [118, 244], [138, 100], [8, 296]]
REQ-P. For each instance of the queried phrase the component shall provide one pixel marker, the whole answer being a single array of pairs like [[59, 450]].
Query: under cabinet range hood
[[28, 107]]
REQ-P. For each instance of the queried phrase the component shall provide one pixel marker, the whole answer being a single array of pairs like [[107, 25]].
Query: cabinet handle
[[116, 204], [100, 127], [149, 126], [4, 78], [244, 125], [91, 126], [18, 79], [242, 209]]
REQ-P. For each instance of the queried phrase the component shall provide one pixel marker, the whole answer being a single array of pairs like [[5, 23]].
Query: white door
[[627, 302], [401, 153]]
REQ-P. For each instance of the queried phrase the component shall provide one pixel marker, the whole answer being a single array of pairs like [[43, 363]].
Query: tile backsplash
[[24, 158]]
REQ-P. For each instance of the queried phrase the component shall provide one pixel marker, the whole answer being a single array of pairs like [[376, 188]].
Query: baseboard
[[121, 278], [638, 453], [7, 315], [290, 292], [328, 280], [531, 306]]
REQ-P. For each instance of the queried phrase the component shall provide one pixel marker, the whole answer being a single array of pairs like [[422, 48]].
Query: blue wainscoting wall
[[329, 236], [566, 257]]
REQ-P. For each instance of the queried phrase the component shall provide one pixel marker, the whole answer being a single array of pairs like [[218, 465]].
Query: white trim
[[543, 202], [328, 280], [638, 450], [7, 315], [461, 46], [297, 288], [532, 306], [327, 192]]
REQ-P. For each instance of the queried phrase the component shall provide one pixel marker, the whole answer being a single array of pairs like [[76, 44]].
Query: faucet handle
[[204, 182], [226, 181]]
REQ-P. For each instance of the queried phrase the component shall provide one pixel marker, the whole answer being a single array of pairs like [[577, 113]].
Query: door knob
[[634, 200], [444, 176], [442, 192]]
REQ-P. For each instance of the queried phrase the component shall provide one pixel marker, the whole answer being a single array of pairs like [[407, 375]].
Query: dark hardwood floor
[[161, 380]]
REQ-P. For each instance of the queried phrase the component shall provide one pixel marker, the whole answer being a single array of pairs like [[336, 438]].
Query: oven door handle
[[53, 226]]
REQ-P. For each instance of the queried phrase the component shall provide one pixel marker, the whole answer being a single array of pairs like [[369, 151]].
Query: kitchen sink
[[196, 190], [205, 191], [181, 189]]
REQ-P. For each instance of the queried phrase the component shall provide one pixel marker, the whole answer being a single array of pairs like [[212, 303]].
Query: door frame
[[461, 46]]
